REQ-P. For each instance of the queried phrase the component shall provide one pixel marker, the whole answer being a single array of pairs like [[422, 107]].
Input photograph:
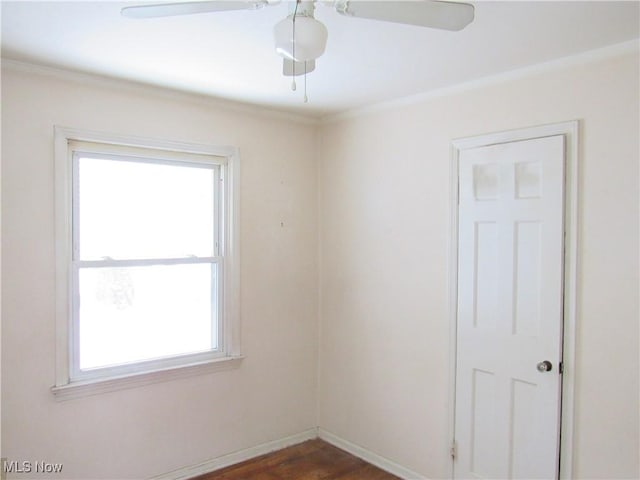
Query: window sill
[[105, 385]]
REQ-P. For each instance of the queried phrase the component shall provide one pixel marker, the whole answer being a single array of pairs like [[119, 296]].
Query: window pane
[[144, 210], [140, 313]]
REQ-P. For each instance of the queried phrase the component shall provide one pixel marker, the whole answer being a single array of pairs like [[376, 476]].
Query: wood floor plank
[[310, 460]]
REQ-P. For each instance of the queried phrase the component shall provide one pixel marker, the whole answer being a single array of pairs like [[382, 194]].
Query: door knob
[[544, 366]]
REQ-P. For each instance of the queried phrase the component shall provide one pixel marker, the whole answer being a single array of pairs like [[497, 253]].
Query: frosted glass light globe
[[310, 38]]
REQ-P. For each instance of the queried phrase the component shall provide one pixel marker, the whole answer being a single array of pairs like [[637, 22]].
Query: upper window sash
[[92, 152]]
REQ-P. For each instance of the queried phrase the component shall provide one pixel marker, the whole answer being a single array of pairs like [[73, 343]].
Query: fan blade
[[424, 13], [188, 8], [288, 70]]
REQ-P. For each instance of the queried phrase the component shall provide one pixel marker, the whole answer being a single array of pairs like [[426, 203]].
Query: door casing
[[571, 132]]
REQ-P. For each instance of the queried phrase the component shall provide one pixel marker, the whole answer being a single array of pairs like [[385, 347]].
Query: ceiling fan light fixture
[[310, 38]]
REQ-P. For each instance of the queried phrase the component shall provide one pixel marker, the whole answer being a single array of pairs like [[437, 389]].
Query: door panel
[[509, 318]]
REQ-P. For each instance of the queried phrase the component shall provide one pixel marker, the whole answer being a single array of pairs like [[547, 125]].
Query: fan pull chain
[[306, 99], [293, 52], [293, 49]]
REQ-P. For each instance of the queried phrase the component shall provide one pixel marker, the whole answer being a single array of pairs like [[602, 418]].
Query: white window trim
[[229, 173]]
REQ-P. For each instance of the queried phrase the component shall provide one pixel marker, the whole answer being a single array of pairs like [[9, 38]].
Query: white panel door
[[509, 318]]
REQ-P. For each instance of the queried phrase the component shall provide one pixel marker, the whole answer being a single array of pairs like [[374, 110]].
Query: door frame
[[571, 132]]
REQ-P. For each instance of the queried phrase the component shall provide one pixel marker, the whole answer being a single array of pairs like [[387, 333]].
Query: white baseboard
[[237, 457], [368, 456], [249, 453]]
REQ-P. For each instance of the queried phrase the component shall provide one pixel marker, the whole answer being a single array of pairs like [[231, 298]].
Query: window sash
[[139, 155], [169, 158]]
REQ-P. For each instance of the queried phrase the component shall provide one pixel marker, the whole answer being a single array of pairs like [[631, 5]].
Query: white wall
[[382, 224], [150, 430], [384, 221]]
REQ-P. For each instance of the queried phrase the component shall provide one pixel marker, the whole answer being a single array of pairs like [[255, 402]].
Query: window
[[147, 257]]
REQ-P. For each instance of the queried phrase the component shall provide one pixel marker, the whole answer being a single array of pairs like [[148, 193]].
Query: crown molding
[[592, 56], [102, 81]]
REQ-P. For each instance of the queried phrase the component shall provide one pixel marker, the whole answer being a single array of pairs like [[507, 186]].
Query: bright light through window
[[145, 257], [147, 260], [141, 210], [133, 314]]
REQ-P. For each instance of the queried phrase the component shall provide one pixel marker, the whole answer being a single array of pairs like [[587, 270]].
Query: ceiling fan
[[300, 39]]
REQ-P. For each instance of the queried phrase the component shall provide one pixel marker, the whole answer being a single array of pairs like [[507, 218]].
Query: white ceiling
[[230, 54]]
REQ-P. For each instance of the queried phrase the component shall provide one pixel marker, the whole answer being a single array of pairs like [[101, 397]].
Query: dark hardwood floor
[[311, 460]]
